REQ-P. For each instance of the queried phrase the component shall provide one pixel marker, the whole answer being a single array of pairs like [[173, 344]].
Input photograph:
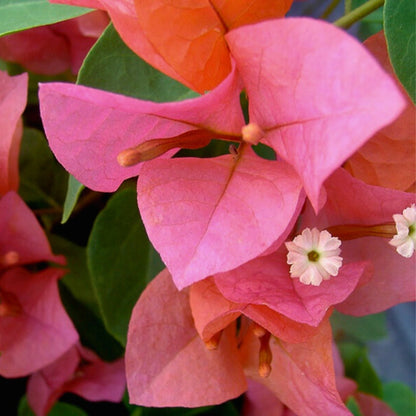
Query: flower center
[[313, 256]]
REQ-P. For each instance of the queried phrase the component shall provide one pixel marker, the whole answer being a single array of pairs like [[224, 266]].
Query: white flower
[[405, 239], [314, 256]]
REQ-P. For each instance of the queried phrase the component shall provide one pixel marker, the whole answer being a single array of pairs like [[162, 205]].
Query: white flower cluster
[[405, 239]]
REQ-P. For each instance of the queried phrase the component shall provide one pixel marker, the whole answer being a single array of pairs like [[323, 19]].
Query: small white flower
[[405, 239], [314, 256]]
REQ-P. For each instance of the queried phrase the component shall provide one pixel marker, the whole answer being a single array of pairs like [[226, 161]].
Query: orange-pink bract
[[13, 93], [185, 39], [388, 159]]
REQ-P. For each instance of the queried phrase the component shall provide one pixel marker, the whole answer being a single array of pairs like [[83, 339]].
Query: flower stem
[[358, 13], [330, 9], [348, 6]]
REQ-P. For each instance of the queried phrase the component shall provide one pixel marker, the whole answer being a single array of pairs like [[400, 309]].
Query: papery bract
[[36, 329], [168, 364], [212, 311], [246, 205], [259, 400], [13, 95], [186, 40], [388, 158], [309, 367], [88, 130], [316, 93], [53, 49], [21, 233], [266, 281], [357, 212], [77, 371]]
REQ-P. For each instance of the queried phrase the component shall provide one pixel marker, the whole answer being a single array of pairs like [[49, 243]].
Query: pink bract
[[351, 202], [388, 158], [77, 371], [87, 129], [165, 359], [34, 327], [13, 95], [21, 233], [55, 48]]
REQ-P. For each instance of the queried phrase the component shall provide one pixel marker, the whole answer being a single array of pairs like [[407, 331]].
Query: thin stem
[[348, 6], [329, 9], [358, 13]]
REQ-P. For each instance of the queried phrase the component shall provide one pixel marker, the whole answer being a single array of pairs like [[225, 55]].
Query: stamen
[[9, 259], [9, 304], [265, 356], [212, 343], [252, 133]]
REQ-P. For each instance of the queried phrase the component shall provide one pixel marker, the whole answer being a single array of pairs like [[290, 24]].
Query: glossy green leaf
[[23, 14], [353, 406], [42, 178], [77, 279], [59, 409], [79, 299], [112, 66], [359, 368], [400, 398], [362, 329], [72, 194], [121, 260], [400, 30]]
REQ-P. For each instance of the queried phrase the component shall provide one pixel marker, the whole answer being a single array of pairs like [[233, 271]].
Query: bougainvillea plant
[[207, 207]]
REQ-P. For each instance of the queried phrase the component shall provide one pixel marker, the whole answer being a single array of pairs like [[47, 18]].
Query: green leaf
[[359, 368], [112, 66], [59, 409], [23, 14], [362, 329], [79, 299], [121, 260], [90, 328], [400, 398], [353, 406], [72, 194], [400, 31], [77, 279], [42, 178]]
